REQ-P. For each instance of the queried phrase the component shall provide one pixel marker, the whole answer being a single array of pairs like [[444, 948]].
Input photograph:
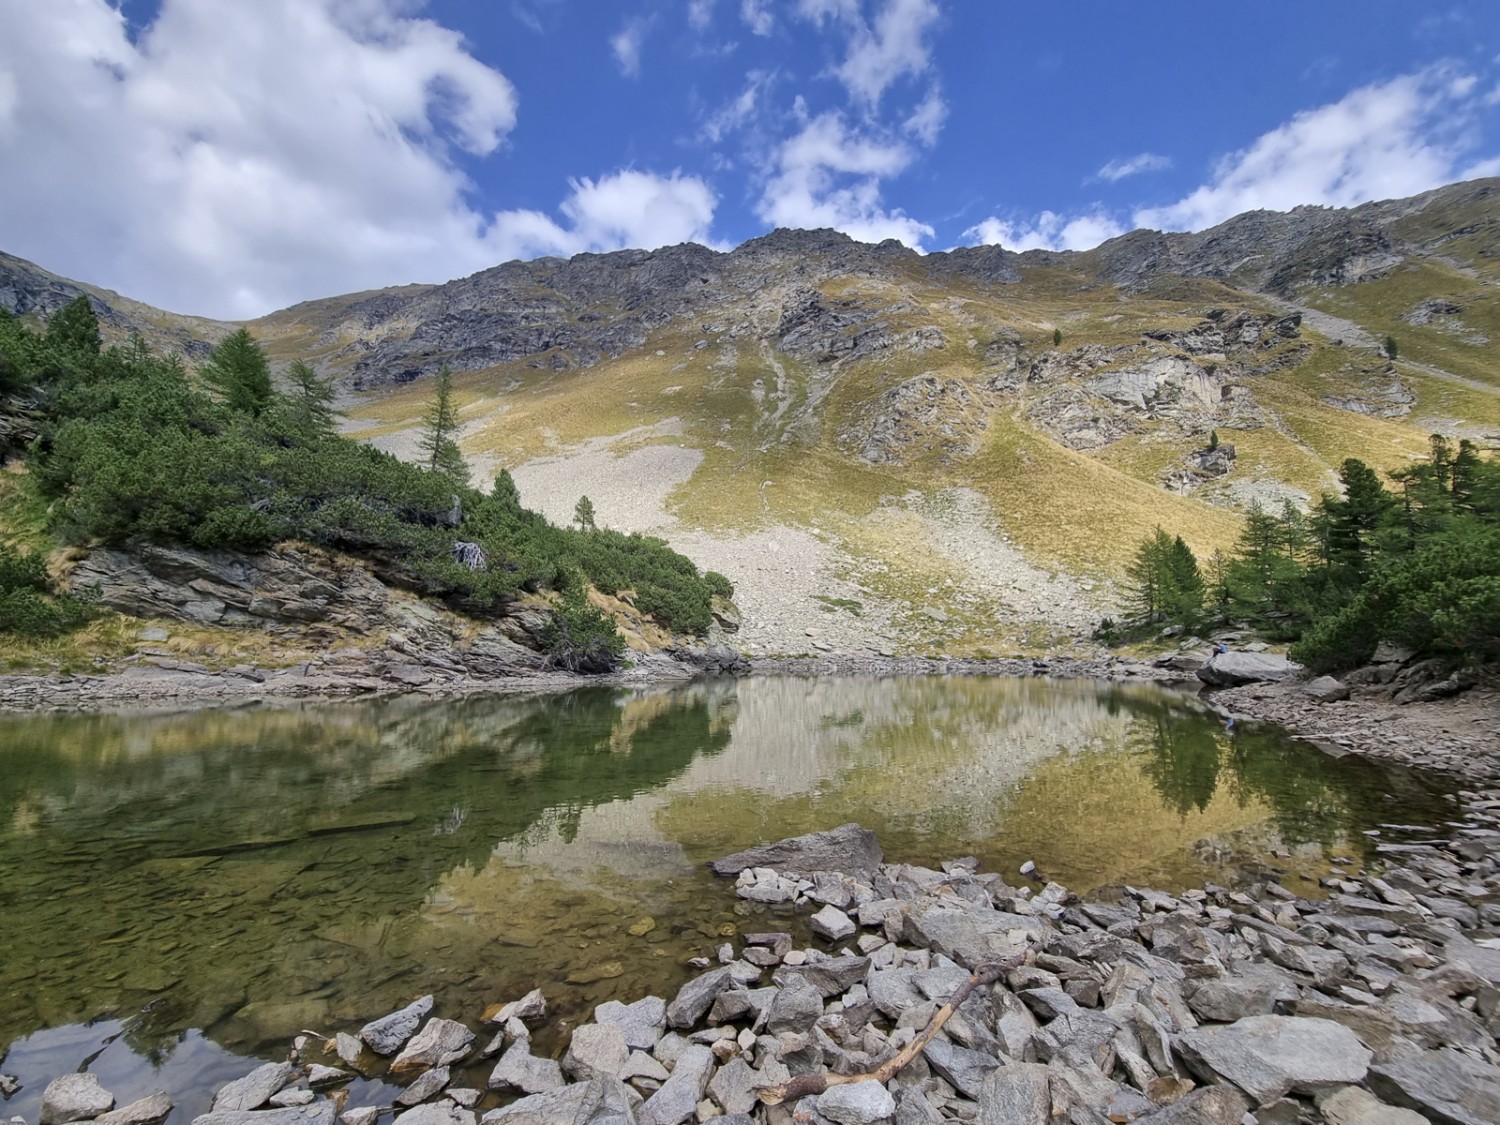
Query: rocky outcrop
[[1231, 669]]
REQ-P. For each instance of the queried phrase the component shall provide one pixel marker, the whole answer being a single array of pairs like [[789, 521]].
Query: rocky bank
[[1378, 1005]]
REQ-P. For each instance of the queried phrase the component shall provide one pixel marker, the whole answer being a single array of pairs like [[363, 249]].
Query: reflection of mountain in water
[[260, 871]]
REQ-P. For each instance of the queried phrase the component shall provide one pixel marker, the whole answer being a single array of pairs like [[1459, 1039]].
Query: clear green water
[[217, 881]]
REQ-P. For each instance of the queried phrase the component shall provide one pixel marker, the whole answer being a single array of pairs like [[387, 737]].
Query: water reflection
[[260, 871]]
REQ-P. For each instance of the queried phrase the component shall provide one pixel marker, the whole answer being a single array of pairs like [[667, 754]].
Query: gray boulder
[[439, 1043], [847, 848], [1349, 1105], [642, 1022], [857, 1103], [256, 1088], [438, 1113], [677, 1100], [597, 1050], [1326, 689], [1253, 989], [1231, 669], [964, 1069], [696, 997], [519, 1069], [1269, 1057], [1016, 1094], [319, 1113], [1213, 1105], [74, 1097], [428, 1085], [601, 1101], [145, 1111], [1447, 1086], [389, 1034], [795, 1008]]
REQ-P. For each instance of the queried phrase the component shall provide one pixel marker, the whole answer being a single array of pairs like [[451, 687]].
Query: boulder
[[74, 1097], [519, 1069], [1214, 1105], [389, 1034], [1349, 1105], [256, 1088], [319, 1113], [832, 923], [438, 1113], [677, 1100], [795, 1008], [642, 1022], [1447, 1086], [1253, 989], [601, 1101], [848, 848], [1269, 1057], [857, 1103], [428, 1085], [145, 1111], [1016, 1094], [1326, 689], [597, 1050], [439, 1043], [1231, 669], [696, 997]]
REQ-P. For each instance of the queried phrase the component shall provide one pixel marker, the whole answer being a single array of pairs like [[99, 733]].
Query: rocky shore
[[1379, 1005]]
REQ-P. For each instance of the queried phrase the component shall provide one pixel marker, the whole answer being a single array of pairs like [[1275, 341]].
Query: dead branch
[[806, 1085]]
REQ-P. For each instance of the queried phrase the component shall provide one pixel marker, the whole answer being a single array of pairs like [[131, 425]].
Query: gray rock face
[[1251, 990], [857, 1103], [145, 1111], [697, 996], [964, 1069], [831, 977], [1018, 1094], [597, 1050], [1447, 1086], [1350, 1105], [795, 1008], [74, 1097], [641, 1022], [256, 1088], [832, 923], [971, 937], [428, 1085], [677, 1100], [389, 1034], [733, 1086], [848, 848], [1269, 1057], [1231, 669], [319, 1113], [519, 1069], [439, 1043]]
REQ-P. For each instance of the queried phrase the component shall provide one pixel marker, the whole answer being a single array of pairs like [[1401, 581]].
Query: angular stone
[[319, 1113], [519, 1069], [1349, 1105], [363, 1115], [1252, 989], [848, 848], [795, 1008], [642, 1065], [439, 1043], [1326, 689], [892, 991], [857, 1103], [551, 1107], [733, 1086], [255, 1089], [293, 1096], [597, 1050], [145, 1111], [1212, 1105], [677, 1100], [389, 1034], [348, 1048], [320, 1075], [696, 997], [964, 1069], [429, 1084], [1447, 1086], [1016, 1094], [74, 1097], [438, 1113], [833, 924], [529, 1007], [970, 937], [1231, 669], [1271, 1056], [831, 977], [642, 1022]]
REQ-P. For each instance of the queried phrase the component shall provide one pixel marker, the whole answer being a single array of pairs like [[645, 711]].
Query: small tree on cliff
[[583, 514]]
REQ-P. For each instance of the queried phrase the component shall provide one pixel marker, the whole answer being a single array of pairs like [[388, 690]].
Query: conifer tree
[[312, 414], [505, 490], [75, 328], [440, 451], [583, 514], [239, 371]]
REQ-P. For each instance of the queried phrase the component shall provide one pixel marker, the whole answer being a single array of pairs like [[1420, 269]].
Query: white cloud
[[757, 16], [828, 175], [1048, 231], [880, 53], [926, 121], [1381, 141], [628, 208], [740, 109], [236, 158], [626, 44], [700, 14], [1117, 170]]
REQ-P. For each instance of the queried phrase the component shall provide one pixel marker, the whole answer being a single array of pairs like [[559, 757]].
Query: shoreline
[[1459, 735]]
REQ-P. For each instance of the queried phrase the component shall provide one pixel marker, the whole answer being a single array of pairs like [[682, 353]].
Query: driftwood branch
[[806, 1085]]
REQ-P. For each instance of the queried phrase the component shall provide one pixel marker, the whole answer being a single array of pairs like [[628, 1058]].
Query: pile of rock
[[1377, 1006]]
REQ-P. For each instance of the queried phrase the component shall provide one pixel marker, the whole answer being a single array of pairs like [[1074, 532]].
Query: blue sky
[[227, 158]]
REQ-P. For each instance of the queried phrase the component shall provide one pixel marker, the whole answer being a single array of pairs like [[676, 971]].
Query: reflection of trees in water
[[1313, 798]]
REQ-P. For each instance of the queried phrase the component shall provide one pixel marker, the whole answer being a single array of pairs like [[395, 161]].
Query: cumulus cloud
[[231, 159], [628, 208], [1047, 231], [1381, 141], [626, 44], [757, 16], [829, 175], [700, 13], [1117, 170], [881, 51]]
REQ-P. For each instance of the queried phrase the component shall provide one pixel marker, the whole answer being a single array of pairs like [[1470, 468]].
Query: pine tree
[[440, 451], [1057, 337], [75, 328], [505, 490], [1166, 586], [312, 414], [583, 514], [1264, 578], [238, 369]]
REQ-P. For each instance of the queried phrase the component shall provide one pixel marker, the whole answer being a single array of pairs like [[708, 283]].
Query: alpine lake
[[183, 894]]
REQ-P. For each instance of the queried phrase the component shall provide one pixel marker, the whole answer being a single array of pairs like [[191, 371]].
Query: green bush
[[26, 607], [580, 638], [718, 585]]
